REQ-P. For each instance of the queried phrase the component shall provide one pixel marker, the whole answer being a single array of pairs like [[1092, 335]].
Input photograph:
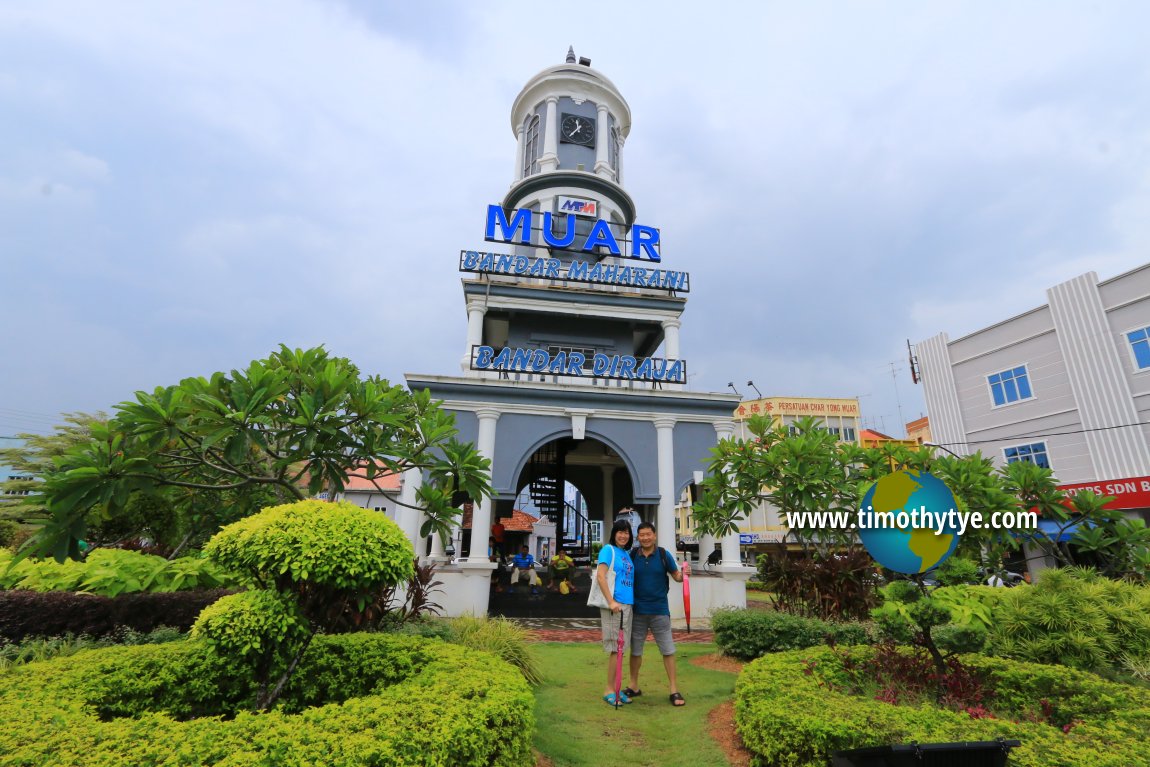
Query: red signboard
[[1132, 493]]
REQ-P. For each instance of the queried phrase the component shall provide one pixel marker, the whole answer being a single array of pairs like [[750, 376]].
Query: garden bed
[[358, 699], [797, 708]]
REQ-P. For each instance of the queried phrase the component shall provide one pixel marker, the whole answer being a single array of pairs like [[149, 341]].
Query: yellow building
[[872, 438], [841, 415]]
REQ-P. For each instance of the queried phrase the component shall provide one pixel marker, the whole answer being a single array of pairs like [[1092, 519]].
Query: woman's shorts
[[610, 621]]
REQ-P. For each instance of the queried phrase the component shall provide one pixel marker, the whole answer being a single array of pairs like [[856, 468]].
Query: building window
[[1140, 345], [1009, 386], [1034, 453], [848, 434], [588, 354], [614, 155], [531, 148]]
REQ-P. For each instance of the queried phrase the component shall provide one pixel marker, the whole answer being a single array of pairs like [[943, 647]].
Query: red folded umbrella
[[687, 598], [619, 660]]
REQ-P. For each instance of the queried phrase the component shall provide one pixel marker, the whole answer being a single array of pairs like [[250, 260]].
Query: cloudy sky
[[184, 186]]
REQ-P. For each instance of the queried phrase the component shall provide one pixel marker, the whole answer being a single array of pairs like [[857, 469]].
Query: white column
[[519, 139], [619, 170], [437, 553], [608, 500], [602, 159], [409, 518], [706, 546], [671, 338], [475, 314], [550, 158], [481, 516], [730, 543], [665, 520]]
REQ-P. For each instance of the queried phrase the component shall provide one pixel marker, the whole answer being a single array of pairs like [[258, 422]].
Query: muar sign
[[644, 240]]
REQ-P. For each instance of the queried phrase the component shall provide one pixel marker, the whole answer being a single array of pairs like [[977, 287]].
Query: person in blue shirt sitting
[[523, 563]]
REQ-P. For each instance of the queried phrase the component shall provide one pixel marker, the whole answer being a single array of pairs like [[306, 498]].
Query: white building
[[1065, 385]]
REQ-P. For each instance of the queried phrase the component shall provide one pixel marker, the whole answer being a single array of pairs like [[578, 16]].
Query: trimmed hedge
[[749, 634], [111, 572], [55, 613], [357, 700], [790, 710]]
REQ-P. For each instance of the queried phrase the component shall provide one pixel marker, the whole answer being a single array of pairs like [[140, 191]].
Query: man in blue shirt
[[654, 570], [523, 562]]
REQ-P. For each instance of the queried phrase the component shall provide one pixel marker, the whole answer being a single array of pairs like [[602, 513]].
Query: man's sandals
[[676, 698]]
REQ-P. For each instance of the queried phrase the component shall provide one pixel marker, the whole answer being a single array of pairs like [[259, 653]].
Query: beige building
[[918, 430], [1065, 385], [841, 415]]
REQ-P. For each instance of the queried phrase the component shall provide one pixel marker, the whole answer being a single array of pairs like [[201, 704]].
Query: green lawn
[[574, 727], [759, 596]]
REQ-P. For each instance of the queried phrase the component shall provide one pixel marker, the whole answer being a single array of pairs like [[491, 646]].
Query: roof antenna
[[571, 54]]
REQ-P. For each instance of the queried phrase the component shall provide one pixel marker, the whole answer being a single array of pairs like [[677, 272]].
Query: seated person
[[524, 564], [562, 569]]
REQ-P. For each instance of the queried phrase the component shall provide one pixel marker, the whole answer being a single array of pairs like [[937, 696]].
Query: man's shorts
[[610, 621], [660, 626]]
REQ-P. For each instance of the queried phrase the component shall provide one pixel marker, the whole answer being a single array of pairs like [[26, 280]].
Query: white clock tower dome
[[571, 123]]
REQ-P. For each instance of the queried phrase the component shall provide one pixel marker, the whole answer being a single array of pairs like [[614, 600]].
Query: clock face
[[576, 129]]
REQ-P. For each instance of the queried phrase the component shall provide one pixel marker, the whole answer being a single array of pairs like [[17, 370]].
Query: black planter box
[[982, 753]]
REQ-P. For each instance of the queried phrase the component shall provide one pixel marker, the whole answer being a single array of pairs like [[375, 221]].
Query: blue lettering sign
[[643, 240], [549, 233], [521, 221], [601, 235], [520, 360], [520, 228]]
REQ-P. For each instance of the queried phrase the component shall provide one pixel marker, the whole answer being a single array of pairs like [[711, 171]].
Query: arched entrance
[[566, 494]]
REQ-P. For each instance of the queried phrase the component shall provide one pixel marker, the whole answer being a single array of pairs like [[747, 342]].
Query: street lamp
[[732, 385], [752, 385]]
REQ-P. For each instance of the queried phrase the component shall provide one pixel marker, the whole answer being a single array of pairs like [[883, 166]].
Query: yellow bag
[[564, 587]]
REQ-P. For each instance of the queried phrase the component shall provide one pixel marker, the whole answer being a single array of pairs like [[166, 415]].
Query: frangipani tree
[[284, 428]]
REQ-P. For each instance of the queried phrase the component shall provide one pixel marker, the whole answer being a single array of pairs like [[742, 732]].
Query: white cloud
[[836, 176]]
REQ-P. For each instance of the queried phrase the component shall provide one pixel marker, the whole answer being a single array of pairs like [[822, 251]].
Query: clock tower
[[572, 380]]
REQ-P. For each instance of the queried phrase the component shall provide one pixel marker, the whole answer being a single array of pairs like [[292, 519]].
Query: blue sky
[[184, 186]]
